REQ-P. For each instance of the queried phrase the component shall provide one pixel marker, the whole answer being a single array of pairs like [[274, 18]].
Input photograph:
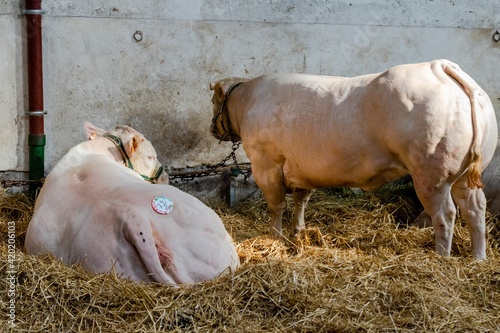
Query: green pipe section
[[36, 144]]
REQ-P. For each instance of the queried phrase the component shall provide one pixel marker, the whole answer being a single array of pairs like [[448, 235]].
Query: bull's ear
[[92, 131], [218, 89]]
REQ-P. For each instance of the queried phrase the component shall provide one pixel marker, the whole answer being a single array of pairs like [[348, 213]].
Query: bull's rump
[[359, 132]]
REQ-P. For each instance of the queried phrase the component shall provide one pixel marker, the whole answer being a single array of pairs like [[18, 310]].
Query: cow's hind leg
[[437, 201], [472, 203], [300, 199]]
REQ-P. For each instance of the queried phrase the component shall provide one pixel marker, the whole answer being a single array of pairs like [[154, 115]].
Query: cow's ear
[[134, 142], [92, 131]]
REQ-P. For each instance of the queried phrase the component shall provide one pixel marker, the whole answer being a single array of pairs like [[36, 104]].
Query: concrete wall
[[95, 70]]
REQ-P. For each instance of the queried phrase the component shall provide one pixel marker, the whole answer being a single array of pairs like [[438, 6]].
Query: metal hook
[[137, 36], [496, 36]]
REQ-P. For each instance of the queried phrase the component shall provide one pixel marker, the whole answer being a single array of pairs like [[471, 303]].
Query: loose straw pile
[[358, 267]]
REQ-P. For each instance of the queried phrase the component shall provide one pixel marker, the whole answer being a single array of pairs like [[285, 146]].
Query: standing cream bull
[[491, 179], [429, 120], [95, 208]]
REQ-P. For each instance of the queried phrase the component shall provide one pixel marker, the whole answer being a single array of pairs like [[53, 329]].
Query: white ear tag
[[162, 205]]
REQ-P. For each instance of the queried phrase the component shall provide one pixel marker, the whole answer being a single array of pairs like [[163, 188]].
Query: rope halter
[[126, 159]]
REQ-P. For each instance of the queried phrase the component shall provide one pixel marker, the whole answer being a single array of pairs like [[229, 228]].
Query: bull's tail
[[468, 84]]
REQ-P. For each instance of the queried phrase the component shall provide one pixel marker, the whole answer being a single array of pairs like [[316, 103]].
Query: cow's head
[[221, 126], [137, 152]]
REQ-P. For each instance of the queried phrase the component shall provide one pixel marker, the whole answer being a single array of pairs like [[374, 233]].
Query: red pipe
[[36, 138]]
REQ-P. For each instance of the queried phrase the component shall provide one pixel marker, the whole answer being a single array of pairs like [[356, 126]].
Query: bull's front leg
[[300, 200], [274, 192], [276, 211], [268, 174]]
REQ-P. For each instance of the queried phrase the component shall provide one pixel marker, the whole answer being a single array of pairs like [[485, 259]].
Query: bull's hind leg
[[300, 199], [437, 201], [423, 220], [472, 203]]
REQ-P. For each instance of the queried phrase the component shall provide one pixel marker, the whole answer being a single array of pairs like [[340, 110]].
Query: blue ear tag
[[162, 205]]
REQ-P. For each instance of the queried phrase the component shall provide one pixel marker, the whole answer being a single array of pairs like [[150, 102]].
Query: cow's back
[[83, 214], [72, 192]]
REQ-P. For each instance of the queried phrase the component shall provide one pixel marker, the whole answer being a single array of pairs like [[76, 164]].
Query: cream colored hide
[[430, 120], [491, 179], [96, 211]]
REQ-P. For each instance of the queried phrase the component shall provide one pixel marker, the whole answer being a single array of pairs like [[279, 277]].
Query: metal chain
[[207, 169], [232, 155]]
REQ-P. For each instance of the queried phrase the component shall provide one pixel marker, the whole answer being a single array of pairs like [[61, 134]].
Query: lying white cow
[[429, 120], [96, 209]]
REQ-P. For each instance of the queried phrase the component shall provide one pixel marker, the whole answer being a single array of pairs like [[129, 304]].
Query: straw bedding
[[358, 267]]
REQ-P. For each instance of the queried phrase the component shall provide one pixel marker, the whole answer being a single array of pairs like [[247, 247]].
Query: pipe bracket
[[34, 12], [36, 113]]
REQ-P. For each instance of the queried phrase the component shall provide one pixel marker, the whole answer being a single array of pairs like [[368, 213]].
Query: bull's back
[[354, 131], [295, 109], [315, 125]]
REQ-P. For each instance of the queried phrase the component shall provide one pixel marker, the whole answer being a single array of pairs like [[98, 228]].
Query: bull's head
[[221, 127], [138, 153]]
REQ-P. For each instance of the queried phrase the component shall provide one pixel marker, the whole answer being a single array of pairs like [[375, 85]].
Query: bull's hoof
[[423, 220], [275, 233], [295, 234]]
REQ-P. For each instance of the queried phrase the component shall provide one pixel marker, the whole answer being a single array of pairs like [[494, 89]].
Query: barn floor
[[359, 267]]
